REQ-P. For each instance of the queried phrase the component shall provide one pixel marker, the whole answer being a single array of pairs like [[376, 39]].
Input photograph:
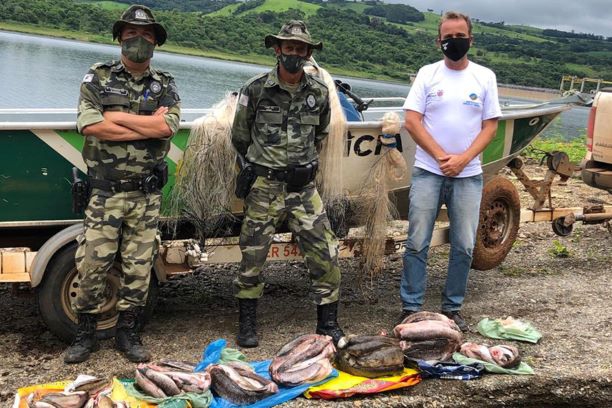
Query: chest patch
[[263, 108], [116, 91], [155, 87], [311, 101]]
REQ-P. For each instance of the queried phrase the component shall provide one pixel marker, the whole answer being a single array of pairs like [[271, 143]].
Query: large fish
[[307, 359], [503, 355], [238, 383], [371, 356], [438, 349], [428, 336]]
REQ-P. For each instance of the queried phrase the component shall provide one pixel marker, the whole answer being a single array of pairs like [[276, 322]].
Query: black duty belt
[[271, 174], [296, 177], [117, 186]]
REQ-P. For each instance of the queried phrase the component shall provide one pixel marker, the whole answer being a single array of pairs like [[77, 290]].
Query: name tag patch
[[275, 109]]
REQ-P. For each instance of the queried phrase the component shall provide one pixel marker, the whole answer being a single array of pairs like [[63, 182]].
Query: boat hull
[[37, 162]]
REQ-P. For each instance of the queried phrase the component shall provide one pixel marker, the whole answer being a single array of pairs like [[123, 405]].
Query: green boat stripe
[[61, 146]]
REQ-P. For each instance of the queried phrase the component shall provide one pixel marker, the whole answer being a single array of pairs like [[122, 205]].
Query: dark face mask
[[137, 49], [455, 48], [292, 63]]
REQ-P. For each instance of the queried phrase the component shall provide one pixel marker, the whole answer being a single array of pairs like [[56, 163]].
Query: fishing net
[[330, 178], [375, 206], [206, 176]]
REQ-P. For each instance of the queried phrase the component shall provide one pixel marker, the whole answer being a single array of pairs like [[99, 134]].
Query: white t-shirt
[[453, 103]]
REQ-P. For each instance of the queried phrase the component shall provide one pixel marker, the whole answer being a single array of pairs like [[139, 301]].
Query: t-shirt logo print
[[473, 96]]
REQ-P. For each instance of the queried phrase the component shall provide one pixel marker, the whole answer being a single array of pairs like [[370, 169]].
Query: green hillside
[[373, 39]]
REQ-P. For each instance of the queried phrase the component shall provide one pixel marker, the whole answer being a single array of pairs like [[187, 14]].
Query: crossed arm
[[450, 164], [123, 126]]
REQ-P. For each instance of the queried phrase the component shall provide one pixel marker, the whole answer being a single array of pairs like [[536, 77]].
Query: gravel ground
[[567, 299]]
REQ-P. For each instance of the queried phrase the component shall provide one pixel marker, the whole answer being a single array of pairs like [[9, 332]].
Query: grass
[[574, 148], [558, 250], [277, 6], [107, 5]]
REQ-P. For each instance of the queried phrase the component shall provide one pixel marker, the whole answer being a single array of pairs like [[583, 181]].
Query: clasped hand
[[452, 165]]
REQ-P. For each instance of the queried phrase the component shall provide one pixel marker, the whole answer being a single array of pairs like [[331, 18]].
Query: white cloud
[[585, 16]]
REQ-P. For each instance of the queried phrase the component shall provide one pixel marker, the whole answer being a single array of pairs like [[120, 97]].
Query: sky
[[582, 16]]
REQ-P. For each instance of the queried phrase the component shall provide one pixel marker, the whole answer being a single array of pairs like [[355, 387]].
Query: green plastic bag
[[522, 369], [509, 329]]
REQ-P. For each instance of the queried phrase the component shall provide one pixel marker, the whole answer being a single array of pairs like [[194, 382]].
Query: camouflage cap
[[293, 30], [140, 15]]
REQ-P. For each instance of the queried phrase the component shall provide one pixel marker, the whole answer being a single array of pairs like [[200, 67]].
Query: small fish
[[148, 386], [238, 384], [505, 356], [301, 360], [165, 383], [64, 399]]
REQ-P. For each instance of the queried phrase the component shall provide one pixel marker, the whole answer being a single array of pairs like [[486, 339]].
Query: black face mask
[[455, 48], [292, 63]]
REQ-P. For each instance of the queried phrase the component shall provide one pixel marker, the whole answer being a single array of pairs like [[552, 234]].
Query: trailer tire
[[59, 286], [500, 213]]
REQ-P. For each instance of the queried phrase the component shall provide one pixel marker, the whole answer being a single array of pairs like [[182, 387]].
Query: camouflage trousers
[[267, 206], [124, 223]]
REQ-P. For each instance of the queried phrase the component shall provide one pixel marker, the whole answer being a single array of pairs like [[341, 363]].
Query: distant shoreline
[[537, 94]]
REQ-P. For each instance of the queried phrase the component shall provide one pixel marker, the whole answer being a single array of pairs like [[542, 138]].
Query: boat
[[41, 146]]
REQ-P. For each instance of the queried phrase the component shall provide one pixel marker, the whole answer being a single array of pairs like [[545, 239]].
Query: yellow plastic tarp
[[39, 390], [347, 385]]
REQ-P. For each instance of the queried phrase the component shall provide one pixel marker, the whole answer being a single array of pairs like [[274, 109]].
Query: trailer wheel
[[59, 286], [500, 213]]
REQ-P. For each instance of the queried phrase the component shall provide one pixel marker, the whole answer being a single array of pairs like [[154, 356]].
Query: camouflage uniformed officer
[[127, 112], [281, 118]]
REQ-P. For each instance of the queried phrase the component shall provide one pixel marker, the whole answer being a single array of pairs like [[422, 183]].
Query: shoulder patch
[[255, 78], [88, 77], [244, 100]]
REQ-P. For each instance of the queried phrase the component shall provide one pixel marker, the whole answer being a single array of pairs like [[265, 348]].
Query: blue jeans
[[428, 192]]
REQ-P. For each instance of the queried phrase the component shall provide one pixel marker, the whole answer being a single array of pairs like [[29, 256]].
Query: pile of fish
[[306, 359], [428, 336], [81, 394], [237, 382], [503, 355], [169, 378], [371, 356]]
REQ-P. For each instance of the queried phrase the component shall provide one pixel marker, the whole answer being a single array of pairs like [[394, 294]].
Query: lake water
[[40, 72]]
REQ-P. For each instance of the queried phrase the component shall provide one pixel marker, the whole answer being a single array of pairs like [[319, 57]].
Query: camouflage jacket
[[275, 129], [110, 87]]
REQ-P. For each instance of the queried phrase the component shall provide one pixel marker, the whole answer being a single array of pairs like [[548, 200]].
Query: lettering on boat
[[365, 145]]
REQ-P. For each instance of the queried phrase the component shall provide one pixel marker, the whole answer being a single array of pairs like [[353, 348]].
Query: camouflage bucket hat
[[140, 15], [293, 30]]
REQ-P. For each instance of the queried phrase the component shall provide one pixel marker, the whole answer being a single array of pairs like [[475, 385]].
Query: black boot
[[247, 331], [327, 323], [127, 335], [85, 341]]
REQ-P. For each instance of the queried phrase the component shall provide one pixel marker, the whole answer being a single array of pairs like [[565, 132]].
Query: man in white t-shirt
[[451, 113]]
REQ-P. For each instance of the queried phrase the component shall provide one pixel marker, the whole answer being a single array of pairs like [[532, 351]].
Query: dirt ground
[[566, 298]]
